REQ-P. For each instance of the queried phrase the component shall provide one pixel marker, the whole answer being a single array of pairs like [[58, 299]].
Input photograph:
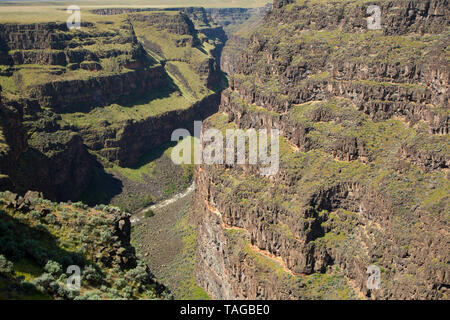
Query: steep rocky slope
[[41, 239], [81, 112], [238, 24], [229, 28], [364, 158]]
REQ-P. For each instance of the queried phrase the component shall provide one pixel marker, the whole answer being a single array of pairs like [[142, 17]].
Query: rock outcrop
[[84, 95]]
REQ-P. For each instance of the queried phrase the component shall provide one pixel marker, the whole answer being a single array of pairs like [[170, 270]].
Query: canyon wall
[[119, 144], [76, 101], [99, 245], [363, 176]]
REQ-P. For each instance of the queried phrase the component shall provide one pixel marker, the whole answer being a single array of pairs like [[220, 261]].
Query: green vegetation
[[146, 168], [188, 81], [331, 285], [402, 185], [155, 169], [180, 272], [38, 246]]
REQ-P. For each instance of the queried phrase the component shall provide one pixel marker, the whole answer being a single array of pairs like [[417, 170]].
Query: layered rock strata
[[363, 176]]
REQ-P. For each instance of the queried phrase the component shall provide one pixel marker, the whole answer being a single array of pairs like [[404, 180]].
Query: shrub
[[43, 282], [6, 266], [128, 292], [99, 207], [73, 294], [138, 274], [62, 291], [80, 205], [106, 235], [50, 218], [114, 294], [95, 221], [42, 228], [89, 296], [63, 278], [120, 283], [64, 214]]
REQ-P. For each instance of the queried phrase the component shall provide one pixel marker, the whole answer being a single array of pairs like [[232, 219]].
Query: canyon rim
[[99, 115]]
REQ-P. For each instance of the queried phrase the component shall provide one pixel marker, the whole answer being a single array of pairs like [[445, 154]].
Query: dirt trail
[[137, 217]]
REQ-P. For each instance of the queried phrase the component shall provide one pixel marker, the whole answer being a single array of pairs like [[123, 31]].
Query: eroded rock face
[[49, 155], [313, 240], [61, 158], [120, 145], [84, 95], [363, 164], [178, 24], [383, 76], [398, 17], [238, 24], [13, 141], [33, 36], [429, 159], [13, 135]]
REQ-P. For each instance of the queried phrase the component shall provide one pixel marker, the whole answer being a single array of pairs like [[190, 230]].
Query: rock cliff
[[101, 96], [363, 175], [238, 24]]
